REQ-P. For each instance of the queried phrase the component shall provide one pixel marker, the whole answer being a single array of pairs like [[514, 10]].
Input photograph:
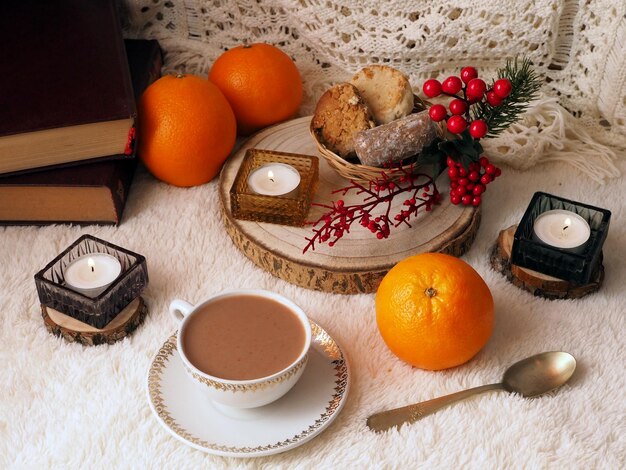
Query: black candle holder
[[99, 310], [575, 267]]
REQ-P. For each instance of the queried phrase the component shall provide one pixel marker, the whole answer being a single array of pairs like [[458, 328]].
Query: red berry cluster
[[375, 211], [474, 90], [467, 185]]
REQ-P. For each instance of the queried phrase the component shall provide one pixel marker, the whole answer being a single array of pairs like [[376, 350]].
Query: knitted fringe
[[186, 56], [549, 133]]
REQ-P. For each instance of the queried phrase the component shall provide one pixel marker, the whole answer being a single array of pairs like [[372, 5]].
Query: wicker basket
[[365, 173]]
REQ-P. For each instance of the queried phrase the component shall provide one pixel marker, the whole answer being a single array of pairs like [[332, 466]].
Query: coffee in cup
[[244, 348]]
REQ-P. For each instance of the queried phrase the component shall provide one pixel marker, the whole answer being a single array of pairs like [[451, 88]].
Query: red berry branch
[[475, 111], [420, 192], [469, 174]]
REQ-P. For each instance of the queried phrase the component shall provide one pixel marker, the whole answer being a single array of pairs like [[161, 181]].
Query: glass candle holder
[[282, 199], [94, 307], [577, 265]]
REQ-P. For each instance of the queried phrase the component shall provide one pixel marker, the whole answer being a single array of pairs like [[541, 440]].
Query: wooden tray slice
[[75, 331], [537, 283], [358, 262]]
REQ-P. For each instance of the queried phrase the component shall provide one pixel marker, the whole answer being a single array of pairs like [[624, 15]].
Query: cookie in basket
[[340, 113], [386, 91]]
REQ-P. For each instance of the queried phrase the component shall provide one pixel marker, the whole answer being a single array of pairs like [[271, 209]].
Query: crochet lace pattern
[[578, 47]]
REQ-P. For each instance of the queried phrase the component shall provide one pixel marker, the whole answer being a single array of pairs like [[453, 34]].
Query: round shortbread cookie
[[341, 113], [387, 92]]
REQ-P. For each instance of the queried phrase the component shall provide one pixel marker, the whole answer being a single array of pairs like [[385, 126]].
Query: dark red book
[[87, 193], [65, 89]]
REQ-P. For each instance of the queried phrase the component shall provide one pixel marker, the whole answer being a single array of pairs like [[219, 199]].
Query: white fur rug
[[68, 406]]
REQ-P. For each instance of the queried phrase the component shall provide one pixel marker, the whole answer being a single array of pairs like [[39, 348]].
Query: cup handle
[[179, 309]]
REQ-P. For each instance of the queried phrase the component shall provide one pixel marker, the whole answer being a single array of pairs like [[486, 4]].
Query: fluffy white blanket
[[68, 406]]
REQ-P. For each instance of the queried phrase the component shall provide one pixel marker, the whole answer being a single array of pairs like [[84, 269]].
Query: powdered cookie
[[396, 140], [341, 113], [387, 92]]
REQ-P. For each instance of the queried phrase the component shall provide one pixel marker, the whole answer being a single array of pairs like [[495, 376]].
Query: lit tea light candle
[[562, 229], [274, 179], [93, 273]]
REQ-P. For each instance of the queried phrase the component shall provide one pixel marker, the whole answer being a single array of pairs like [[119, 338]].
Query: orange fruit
[[186, 129], [434, 311], [261, 83]]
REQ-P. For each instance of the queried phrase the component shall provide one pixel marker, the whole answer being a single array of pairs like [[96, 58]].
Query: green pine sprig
[[525, 86]]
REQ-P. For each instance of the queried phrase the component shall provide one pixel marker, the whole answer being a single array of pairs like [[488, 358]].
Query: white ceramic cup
[[243, 393]]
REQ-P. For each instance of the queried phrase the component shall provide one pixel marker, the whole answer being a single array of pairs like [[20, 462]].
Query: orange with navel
[[186, 129], [262, 84], [434, 311]]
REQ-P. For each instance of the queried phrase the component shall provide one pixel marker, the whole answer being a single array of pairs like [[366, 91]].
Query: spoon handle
[[409, 414]]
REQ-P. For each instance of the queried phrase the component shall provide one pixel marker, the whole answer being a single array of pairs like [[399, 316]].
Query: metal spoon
[[529, 377]]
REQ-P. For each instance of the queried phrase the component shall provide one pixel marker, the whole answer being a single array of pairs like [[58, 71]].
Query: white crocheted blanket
[[577, 47]]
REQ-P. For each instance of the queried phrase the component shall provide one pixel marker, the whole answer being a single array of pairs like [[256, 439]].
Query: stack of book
[[67, 111]]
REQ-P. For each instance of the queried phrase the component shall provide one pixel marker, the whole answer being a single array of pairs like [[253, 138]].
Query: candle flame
[[270, 175], [91, 263]]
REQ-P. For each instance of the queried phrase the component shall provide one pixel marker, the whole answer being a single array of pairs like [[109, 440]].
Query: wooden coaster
[[535, 282], [356, 264], [75, 331]]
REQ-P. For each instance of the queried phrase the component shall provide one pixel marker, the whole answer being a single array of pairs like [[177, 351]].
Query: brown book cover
[[88, 193], [65, 90]]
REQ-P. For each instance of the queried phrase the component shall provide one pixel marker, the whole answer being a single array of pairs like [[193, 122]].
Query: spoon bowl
[[539, 374], [529, 377]]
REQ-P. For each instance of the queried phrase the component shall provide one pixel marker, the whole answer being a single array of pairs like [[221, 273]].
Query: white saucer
[[304, 412]]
